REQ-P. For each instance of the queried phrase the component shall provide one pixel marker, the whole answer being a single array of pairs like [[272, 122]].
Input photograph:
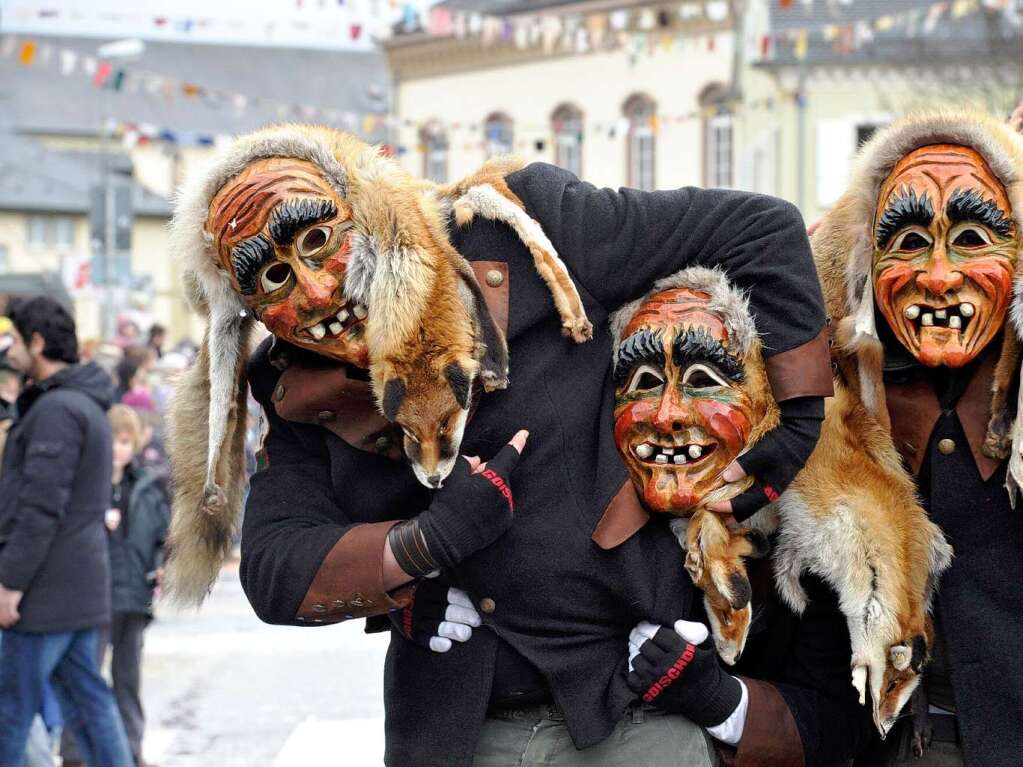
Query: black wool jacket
[[54, 491], [320, 511], [939, 420]]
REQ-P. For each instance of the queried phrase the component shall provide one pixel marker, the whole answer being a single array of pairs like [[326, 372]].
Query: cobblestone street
[[221, 688]]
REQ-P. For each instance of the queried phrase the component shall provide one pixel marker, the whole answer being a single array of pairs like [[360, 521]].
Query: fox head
[[902, 674], [429, 400], [892, 680]]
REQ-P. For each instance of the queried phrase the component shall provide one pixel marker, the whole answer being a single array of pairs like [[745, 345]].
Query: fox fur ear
[[493, 355], [759, 545], [394, 394], [460, 381]]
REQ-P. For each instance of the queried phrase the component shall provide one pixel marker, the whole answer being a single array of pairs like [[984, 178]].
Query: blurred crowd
[[84, 512]]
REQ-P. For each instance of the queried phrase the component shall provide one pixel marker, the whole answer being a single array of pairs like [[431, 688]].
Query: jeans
[[124, 635], [68, 660]]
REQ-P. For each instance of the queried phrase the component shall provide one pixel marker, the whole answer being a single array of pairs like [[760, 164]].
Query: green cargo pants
[[644, 737]]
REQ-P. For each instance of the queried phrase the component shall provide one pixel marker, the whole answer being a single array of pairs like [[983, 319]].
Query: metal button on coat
[[488, 605], [946, 446], [279, 392], [325, 415], [494, 278], [383, 444]]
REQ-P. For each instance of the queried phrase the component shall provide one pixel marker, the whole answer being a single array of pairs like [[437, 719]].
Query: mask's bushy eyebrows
[[697, 345], [292, 216], [971, 205], [903, 209], [644, 345], [247, 258]]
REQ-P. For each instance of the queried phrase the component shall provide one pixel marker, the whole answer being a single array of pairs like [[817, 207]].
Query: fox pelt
[[429, 332], [851, 517]]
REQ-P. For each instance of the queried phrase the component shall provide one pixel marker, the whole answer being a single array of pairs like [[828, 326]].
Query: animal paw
[[859, 681], [694, 563], [492, 381], [996, 446], [579, 329]]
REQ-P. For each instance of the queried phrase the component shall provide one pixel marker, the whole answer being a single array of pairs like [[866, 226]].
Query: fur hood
[[843, 240]]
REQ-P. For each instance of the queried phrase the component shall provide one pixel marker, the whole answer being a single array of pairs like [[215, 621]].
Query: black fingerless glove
[[469, 513], [683, 678], [776, 460], [421, 619]]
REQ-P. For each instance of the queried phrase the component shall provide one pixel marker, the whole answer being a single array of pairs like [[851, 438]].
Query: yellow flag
[[27, 53], [802, 42]]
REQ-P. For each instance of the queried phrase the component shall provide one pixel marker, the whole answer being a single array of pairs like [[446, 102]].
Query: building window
[[39, 233], [567, 124], [640, 111], [717, 136], [719, 151], [499, 135], [64, 228], [435, 152]]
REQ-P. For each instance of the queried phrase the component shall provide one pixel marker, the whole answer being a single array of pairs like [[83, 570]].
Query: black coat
[[136, 546], [980, 598], [562, 602], [54, 492]]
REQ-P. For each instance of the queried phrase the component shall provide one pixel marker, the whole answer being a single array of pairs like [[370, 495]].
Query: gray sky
[[336, 24]]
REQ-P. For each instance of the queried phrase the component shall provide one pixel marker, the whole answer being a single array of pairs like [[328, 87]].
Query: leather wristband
[[410, 549]]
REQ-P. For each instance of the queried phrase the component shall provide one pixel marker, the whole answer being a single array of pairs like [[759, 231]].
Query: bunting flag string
[[637, 29]]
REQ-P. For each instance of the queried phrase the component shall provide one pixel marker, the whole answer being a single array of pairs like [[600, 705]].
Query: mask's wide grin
[[676, 455], [335, 324], [954, 316]]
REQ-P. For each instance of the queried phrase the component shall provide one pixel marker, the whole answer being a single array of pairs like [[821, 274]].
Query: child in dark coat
[[137, 524]]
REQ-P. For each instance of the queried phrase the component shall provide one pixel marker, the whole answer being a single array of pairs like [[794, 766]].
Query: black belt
[[635, 711], [539, 711], [944, 728]]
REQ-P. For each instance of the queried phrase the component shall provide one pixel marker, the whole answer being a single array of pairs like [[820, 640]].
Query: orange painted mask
[[283, 234], [945, 252], [683, 410]]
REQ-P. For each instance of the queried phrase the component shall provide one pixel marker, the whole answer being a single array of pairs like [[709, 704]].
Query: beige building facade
[[644, 119]]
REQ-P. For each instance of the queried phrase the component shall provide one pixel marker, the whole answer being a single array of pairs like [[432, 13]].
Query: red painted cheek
[[281, 319], [890, 283], [727, 422], [627, 416]]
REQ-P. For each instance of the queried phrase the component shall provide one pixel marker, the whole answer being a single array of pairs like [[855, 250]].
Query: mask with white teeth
[[283, 235], [946, 246], [686, 401]]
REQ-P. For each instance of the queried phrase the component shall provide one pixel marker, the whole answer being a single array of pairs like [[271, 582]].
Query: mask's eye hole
[[911, 241], [702, 377], [970, 237], [275, 277], [646, 378], [311, 241]]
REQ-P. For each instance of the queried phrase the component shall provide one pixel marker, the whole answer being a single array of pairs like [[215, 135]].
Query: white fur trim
[[727, 301], [224, 339]]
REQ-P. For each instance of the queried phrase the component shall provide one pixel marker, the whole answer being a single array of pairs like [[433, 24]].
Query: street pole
[[117, 51]]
